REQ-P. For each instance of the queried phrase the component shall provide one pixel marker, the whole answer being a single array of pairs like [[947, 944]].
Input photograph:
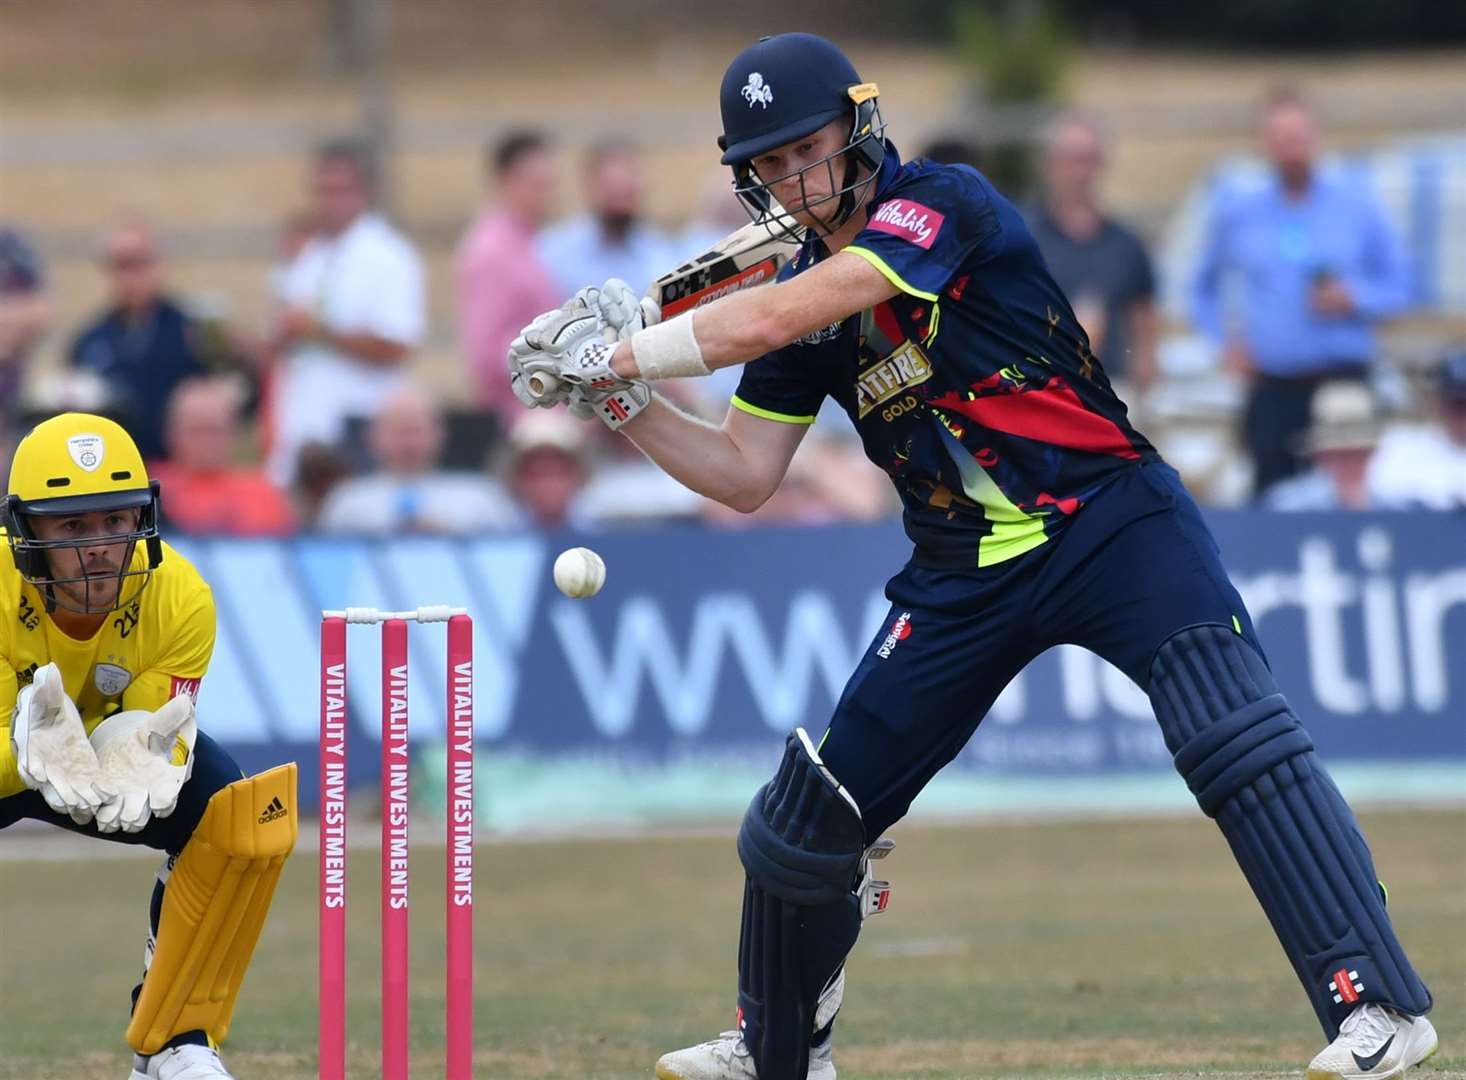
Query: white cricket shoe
[[727, 1058], [1374, 1043], [180, 1063]]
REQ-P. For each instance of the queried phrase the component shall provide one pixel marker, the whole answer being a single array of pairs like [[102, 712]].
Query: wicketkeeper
[[1038, 515], [105, 634]]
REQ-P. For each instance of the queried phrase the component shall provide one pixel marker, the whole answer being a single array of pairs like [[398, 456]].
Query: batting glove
[[622, 311]]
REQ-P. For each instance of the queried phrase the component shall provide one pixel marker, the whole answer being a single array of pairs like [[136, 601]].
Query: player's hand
[[623, 312], [576, 352], [521, 352], [52, 754], [614, 407], [137, 752], [571, 347]]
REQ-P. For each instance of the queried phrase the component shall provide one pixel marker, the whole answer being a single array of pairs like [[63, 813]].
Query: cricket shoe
[[1374, 1043], [189, 1062], [727, 1058]]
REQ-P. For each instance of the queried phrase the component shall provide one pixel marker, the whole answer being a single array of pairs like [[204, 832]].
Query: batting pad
[[214, 908], [801, 844], [1252, 767]]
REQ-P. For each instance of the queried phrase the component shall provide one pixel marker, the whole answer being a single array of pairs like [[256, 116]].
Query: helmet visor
[[82, 564]]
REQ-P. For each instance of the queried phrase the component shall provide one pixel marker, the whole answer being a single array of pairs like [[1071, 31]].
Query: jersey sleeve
[[187, 634], [10, 783], [919, 235], [778, 386]]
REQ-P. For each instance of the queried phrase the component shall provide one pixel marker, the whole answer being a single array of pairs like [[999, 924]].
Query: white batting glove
[[52, 754], [614, 407], [136, 751], [572, 348], [521, 351], [623, 312]]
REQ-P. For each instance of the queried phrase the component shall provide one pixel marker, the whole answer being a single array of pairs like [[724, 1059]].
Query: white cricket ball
[[579, 573]]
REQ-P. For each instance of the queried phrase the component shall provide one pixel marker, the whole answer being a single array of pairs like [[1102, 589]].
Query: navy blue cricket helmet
[[785, 87]]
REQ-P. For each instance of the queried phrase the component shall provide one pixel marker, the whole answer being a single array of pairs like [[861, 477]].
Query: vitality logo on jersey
[[908, 220], [185, 686], [900, 631], [903, 369]]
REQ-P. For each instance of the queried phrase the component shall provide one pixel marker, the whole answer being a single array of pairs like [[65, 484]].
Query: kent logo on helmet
[[79, 502]]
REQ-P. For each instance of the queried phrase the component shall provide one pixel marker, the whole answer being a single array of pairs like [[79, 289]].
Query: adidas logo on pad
[[274, 812]]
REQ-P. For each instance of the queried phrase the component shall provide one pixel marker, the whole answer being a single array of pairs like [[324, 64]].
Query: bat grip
[[542, 384]]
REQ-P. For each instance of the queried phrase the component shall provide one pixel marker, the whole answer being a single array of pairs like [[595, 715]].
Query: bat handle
[[543, 384]]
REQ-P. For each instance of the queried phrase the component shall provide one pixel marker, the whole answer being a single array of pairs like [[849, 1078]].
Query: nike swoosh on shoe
[[1367, 1063]]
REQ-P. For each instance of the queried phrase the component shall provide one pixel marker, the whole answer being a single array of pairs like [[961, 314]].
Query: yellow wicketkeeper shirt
[[145, 653]]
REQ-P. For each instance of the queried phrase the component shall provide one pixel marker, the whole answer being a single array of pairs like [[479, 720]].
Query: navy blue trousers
[[213, 769], [1135, 565]]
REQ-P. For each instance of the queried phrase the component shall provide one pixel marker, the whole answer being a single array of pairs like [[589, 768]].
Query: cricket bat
[[741, 260]]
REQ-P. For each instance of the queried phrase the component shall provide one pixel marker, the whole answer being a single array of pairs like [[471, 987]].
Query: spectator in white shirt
[[409, 495], [609, 240], [1338, 444], [1424, 467], [354, 309]]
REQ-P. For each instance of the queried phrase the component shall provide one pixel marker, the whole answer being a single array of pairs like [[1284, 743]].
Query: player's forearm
[[734, 330], [695, 453], [745, 325]]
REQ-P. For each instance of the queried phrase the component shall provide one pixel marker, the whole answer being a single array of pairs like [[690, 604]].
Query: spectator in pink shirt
[[501, 283]]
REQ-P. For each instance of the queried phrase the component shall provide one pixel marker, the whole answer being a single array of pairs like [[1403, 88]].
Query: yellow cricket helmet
[[78, 463]]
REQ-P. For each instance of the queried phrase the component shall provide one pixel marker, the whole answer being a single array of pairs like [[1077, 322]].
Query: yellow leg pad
[[214, 908]]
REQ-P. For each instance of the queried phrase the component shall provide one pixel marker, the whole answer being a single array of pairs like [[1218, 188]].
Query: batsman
[[1038, 515], [105, 635]]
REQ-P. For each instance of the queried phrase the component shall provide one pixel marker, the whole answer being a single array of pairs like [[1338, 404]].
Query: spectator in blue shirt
[[609, 239], [144, 344], [1099, 262], [25, 312], [1315, 267]]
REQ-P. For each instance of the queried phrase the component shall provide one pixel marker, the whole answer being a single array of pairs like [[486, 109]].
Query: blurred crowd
[[315, 422]]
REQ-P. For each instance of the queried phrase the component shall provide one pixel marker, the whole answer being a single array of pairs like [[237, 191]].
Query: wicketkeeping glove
[[136, 751], [52, 754]]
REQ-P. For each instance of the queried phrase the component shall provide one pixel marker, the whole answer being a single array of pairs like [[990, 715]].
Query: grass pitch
[[1119, 948]]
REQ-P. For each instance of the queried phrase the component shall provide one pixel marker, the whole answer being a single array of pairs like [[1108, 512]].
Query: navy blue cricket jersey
[[974, 387]]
